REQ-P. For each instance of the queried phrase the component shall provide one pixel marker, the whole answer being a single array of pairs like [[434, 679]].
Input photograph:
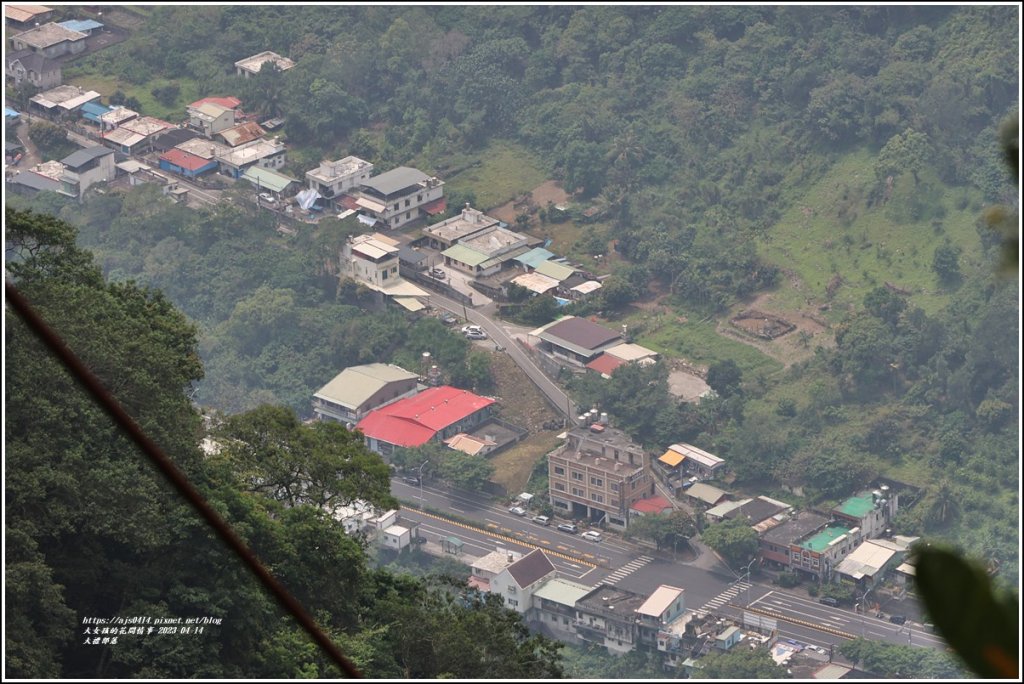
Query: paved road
[[559, 399], [713, 588]]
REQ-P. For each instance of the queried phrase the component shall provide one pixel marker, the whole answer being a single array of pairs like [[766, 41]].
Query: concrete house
[[688, 458], [370, 260], [185, 164], [464, 225], [357, 390], [250, 66], [85, 168], [598, 473], [517, 583], [399, 196], [659, 611], [607, 616], [61, 100], [267, 154], [485, 252], [489, 566], [28, 66], [209, 118], [50, 40], [871, 511], [332, 178]]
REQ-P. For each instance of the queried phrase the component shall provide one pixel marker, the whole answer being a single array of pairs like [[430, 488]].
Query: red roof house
[[435, 413], [186, 163]]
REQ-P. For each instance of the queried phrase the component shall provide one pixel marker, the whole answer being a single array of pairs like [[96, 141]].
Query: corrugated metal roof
[[535, 256], [356, 384], [80, 25], [465, 255], [410, 303], [554, 270], [396, 179], [535, 282], [415, 420], [580, 332], [587, 287], [562, 591], [184, 160], [698, 455], [266, 178], [660, 601], [84, 156], [671, 458], [705, 493], [605, 364]]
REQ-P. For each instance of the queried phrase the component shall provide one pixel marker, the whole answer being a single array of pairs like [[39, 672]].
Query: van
[[542, 520], [829, 601]]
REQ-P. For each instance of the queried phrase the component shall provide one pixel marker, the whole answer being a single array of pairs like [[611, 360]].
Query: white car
[[471, 328], [517, 510], [592, 535], [268, 198]]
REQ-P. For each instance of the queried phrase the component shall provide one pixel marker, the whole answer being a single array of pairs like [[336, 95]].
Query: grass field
[[505, 170], [107, 85], [876, 245]]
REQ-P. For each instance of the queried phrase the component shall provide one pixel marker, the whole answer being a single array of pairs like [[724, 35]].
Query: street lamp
[[421, 478], [864, 611], [752, 560]]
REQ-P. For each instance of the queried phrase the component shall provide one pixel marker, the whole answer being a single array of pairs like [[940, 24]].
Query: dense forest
[[703, 132]]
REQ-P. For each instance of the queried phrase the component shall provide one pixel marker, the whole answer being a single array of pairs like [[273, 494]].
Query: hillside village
[[415, 253]]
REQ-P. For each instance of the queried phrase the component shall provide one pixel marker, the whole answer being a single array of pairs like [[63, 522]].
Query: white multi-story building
[[332, 178]]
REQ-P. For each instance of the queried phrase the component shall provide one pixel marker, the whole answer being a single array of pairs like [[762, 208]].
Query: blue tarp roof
[[10, 112], [81, 25]]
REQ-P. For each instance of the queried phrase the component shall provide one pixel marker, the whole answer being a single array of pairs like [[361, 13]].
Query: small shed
[[452, 545]]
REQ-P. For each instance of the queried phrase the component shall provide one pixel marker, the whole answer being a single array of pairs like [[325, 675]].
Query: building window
[[577, 476], [559, 487], [408, 214], [559, 470], [596, 481], [396, 206], [384, 275], [576, 491], [597, 497], [513, 602], [419, 198], [615, 486], [407, 202], [395, 221]]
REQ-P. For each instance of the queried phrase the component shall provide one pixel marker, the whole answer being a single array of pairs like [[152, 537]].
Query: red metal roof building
[[654, 505], [434, 414], [185, 163], [605, 364]]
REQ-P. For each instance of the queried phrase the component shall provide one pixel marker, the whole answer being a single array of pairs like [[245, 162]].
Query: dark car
[[412, 480], [449, 319], [897, 619], [829, 601]]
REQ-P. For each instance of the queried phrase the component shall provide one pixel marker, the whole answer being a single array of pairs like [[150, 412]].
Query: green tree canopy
[[734, 540]]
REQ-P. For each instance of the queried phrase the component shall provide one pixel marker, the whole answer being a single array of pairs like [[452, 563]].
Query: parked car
[[268, 198], [542, 520], [419, 540], [592, 535], [449, 319], [897, 619], [411, 480], [829, 601], [568, 527], [471, 328], [517, 510], [437, 273], [476, 335]]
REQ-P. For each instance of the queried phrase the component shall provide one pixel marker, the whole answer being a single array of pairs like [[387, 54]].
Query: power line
[[85, 377]]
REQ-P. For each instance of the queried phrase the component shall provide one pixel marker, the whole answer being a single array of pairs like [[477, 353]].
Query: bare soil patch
[[548, 191], [810, 330], [523, 405]]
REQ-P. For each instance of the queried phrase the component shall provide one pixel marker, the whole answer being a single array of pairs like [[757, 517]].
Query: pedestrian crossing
[[725, 597], [627, 569]]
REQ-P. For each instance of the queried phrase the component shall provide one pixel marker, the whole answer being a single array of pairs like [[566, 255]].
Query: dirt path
[[811, 331]]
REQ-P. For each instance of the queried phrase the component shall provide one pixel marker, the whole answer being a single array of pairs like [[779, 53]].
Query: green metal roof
[[355, 385], [554, 270], [465, 255], [821, 540], [267, 179], [562, 591], [857, 506]]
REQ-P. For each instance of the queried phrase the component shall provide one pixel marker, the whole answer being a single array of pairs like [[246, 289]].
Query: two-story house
[[267, 154], [332, 178], [871, 511], [517, 583], [210, 118], [370, 261], [357, 390], [598, 473], [85, 168], [399, 196], [28, 66]]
